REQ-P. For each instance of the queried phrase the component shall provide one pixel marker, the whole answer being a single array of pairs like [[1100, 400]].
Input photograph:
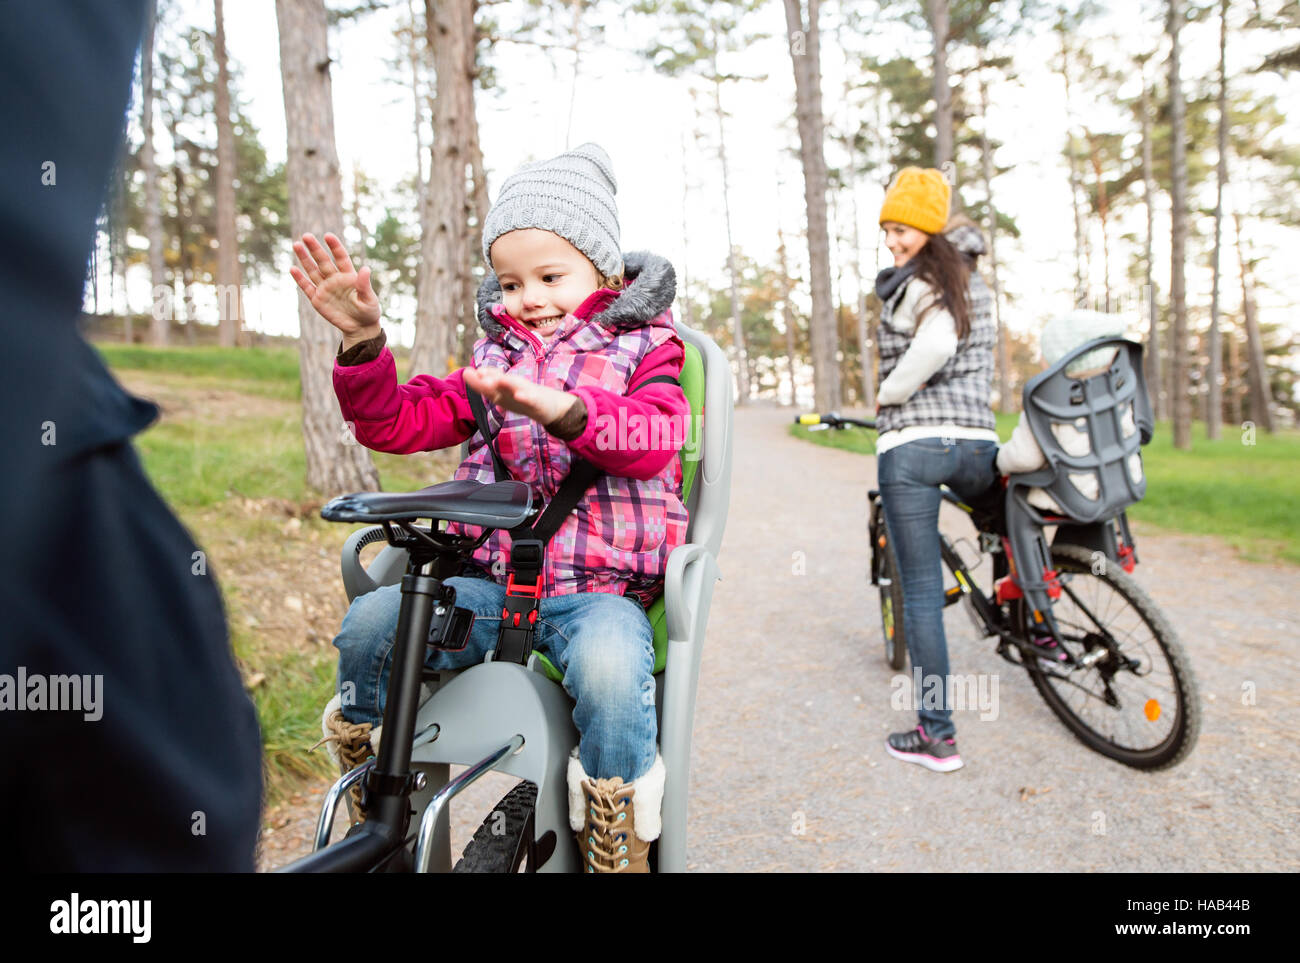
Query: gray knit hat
[[1062, 335], [571, 195]]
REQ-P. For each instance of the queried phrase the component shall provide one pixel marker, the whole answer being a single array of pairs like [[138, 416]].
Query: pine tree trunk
[[937, 12], [822, 335], [229, 289], [160, 327], [1231, 381], [733, 272], [787, 316], [476, 206], [1082, 270], [575, 46], [117, 252], [1155, 363], [1103, 215], [837, 289], [1261, 400], [1178, 251], [184, 256], [417, 95], [444, 232], [336, 463], [864, 339], [684, 292], [1215, 402], [358, 187], [1004, 365]]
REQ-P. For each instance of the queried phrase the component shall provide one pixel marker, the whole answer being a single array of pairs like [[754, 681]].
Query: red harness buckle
[[531, 591]]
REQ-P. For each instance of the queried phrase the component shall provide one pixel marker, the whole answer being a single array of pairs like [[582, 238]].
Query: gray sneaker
[[937, 755]]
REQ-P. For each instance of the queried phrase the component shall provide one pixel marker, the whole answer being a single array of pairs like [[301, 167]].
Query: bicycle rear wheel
[[1137, 703]]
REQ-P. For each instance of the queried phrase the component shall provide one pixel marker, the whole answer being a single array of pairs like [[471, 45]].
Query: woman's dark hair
[[947, 271]]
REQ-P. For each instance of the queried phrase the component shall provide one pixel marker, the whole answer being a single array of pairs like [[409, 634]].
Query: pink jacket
[[619, 537]]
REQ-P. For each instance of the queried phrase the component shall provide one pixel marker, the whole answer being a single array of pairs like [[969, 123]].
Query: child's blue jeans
[[602, 643]]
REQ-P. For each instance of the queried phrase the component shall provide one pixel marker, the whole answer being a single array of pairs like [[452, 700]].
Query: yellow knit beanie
[[918, 198]]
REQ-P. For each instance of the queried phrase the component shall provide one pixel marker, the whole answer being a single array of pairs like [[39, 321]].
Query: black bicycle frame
[[380, 842]]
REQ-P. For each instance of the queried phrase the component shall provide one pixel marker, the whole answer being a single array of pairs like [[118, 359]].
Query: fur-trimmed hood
[[651, 286]]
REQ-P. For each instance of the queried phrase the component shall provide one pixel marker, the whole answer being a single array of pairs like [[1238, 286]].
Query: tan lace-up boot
[[349, 744], [615, 822]]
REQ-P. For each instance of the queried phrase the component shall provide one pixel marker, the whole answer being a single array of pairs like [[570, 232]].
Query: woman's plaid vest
[[958, 393]]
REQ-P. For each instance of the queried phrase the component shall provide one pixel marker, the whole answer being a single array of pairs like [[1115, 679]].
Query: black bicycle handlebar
[[833, 420]]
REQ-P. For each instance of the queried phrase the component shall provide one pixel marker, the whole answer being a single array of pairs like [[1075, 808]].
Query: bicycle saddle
[[498, 505]]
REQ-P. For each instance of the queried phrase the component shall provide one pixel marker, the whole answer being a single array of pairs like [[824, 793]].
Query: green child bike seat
[[692, 380]]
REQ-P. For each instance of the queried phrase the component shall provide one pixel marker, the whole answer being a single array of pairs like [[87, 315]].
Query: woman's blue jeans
[[602, 643], [909, 478]]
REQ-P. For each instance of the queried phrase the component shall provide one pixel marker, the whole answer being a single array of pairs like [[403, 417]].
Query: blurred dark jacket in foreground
[[100, 582]]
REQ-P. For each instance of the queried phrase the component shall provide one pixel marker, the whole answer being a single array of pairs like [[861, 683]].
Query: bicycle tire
[[494, 844], [1076, 565], [891, 607]]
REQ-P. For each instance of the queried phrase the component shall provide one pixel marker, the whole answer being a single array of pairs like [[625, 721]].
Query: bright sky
[[645, 122]]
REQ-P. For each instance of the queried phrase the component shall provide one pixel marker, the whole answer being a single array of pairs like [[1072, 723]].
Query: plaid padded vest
[[958, 393]]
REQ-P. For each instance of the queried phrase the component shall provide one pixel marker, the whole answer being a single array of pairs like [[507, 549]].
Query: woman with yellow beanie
[[935, 421]]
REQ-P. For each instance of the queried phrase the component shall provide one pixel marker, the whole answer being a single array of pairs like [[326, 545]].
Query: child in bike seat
[[579, 358], [1021, 453]]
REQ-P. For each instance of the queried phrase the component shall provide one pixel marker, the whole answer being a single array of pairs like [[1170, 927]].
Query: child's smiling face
[[543, 278]]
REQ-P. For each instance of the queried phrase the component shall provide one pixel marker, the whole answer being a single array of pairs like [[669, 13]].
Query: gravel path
[[789, 768]]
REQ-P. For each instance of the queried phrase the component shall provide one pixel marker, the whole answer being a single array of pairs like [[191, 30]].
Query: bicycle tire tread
[[492, 852]]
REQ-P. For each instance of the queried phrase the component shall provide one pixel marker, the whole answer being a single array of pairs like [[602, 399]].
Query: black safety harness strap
[[489, 437], [656, 380]]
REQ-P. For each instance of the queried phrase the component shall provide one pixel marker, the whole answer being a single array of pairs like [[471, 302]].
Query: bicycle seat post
[[431, 559]]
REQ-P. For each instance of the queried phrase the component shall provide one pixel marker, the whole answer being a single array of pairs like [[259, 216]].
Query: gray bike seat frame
[[1054, 397], [1100, 400]]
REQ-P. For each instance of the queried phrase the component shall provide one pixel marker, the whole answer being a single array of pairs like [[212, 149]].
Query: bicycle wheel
[[495, 843], [891, 606], [1140, 708]]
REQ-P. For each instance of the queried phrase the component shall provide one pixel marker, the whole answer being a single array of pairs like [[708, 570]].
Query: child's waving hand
[[339, 293]]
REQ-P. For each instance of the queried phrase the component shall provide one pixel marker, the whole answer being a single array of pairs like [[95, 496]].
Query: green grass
[[198, 464], [270, 372], [288, 702], [1243, 493]]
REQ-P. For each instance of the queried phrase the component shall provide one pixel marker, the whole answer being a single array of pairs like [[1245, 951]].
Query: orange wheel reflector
[[1152, 709], [881, 541]]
